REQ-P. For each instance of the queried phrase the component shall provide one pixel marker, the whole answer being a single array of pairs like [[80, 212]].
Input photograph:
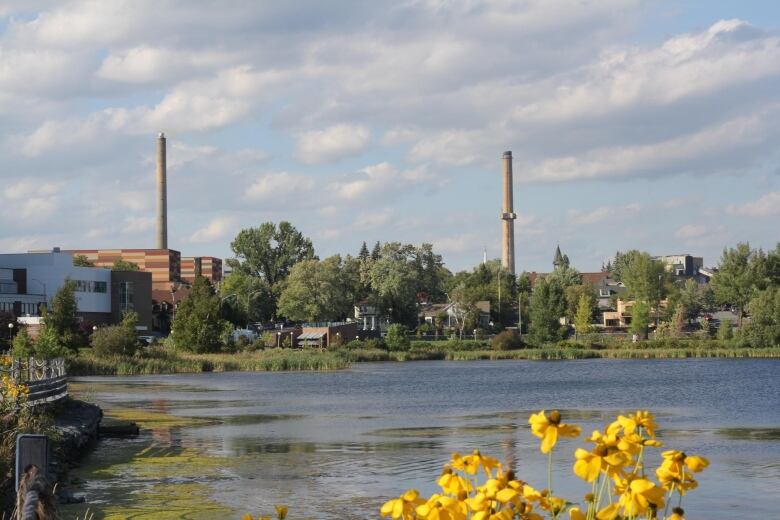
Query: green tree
[[547, 306], [764, 327], [269, 252], [124, 265], [678, 320], [640, 318], [314, 292], [364, 254], [82, 261], [621, 262], [23, 345], [691, 299], [565, 275], [725, 330], [574, 294], [464, 308], [197, 326], [394, 282], [583, 315], [245, 299], [734, 282], [397, 338], [61, 318], [645, 279]]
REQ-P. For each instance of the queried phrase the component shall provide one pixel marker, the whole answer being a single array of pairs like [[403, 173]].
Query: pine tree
[[363, 255], [377, 251]]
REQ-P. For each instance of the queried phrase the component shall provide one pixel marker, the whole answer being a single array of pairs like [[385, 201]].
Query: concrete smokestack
[[508, 217], [162, 194]]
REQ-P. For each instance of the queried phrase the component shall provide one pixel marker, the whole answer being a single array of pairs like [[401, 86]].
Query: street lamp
[[10, 331], [278, 339]]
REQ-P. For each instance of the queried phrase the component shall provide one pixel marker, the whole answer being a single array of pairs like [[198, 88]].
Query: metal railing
[[46, 380]]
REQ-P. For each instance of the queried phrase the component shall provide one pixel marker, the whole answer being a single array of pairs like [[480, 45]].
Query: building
[[29, 280], [444, 314], [208, 267], [164, 264], [621, 317], [684, 265], [321, 335]]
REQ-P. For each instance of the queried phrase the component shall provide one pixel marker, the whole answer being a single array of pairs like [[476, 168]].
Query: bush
[[114, 340], [23, 347], [725, 330], [355, 343], [507, 340], [48, 345], [372, 343], [396, 339]]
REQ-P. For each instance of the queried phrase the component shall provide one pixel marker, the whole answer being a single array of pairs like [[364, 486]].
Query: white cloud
[[216, 229], [766, 206], [278, 186], [604, 213], [383, 179], [333, 143], [691, 231]]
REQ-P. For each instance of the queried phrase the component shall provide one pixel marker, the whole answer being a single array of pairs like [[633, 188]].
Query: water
[[337, 444]]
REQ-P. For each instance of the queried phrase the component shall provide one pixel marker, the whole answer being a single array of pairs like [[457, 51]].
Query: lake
[[337, 444]]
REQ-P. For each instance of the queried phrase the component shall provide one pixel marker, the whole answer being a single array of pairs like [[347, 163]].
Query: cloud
[[331, 144], [691, 231], [383, 179], [766, 206], [604, 213], [278, 187], [216, 229]]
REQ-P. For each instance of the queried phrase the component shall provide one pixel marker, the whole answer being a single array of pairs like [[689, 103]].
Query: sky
[[649, 125]]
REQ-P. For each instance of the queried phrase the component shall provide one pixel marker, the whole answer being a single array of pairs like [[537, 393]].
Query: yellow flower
[[453, 484], [609, 513], [442, 508], [471, 463], [281, 512], [677, 514], [590, 463], [640, 419], [636, 496], [576, 514], [247, 516], [674, 460], [549, 428], [402, 507], [681, 482]]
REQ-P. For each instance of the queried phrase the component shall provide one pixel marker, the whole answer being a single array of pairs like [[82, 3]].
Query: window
[[604, 293], [126, 296], [91, 286]]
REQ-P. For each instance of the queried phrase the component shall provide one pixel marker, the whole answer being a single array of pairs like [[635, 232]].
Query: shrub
[[725, 330], [23, 346], [506, 340], [48, 344], [114, 340], [372, 343], [355, 343], [396, 339]]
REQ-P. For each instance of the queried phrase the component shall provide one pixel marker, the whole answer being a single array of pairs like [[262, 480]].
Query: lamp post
[[10, 331], [278, 339]]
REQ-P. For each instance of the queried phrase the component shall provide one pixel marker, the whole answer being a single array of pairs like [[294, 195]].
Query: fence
[[46, 380]]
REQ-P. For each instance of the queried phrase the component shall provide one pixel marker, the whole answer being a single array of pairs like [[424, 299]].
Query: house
[[445, 314], [622, 316], [322, 335], [368, 316]]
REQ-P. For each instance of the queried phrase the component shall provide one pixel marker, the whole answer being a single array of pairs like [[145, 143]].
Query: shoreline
[[286, 360]]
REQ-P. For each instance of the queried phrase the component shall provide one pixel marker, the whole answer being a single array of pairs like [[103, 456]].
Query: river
[[337, 444]]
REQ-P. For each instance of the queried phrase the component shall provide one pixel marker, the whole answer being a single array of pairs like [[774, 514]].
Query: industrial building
[[29, 280]]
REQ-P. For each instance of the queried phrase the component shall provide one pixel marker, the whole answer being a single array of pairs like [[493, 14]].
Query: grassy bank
[[164, 361]]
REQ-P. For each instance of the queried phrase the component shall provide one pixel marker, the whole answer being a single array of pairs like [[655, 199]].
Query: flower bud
[[555, 417]]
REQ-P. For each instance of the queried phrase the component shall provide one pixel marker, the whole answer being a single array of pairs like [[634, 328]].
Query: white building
[[29, 279]]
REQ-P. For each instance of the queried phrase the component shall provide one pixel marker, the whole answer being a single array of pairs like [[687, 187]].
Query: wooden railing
[[46, 380]]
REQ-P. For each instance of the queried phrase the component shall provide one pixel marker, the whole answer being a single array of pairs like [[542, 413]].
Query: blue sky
[[649, 125]]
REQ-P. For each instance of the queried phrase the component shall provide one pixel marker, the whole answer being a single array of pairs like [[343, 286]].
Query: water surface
[[336, 444]]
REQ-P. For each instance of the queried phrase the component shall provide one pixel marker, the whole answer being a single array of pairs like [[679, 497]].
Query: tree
[[764, 327], [394, 282], [640, 318], [725, 330], [245, 299], [82, 261], [547, 306], [733, 283], [269, 252], [48, 344], [645, 279], [691, 300], [61, 318], [621, 261], [376, 252], [124, 265], [364, 254], [23, 346], [197, 326], [574, 294], [314, 292], [565, 276], [678, 320], [464, 308], [583, 315]]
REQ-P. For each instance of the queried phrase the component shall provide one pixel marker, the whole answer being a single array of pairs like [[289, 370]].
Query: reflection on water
[[335, 444]]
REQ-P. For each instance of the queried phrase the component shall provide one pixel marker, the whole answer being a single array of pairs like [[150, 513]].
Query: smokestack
[[162, 194], [508, 217]]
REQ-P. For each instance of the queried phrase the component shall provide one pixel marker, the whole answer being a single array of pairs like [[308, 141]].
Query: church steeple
[[558, 261]]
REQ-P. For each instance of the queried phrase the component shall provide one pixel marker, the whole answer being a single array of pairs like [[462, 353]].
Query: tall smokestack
[[162, 194], [508, 217]]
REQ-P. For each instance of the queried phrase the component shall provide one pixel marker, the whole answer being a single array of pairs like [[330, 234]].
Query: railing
[[46, 380]]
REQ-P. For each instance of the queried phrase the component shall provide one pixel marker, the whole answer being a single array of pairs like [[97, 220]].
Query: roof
[[484, 306], [311, 335], [434, 309]]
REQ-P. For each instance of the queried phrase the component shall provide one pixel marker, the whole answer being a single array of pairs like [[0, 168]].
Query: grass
[[160, 360]]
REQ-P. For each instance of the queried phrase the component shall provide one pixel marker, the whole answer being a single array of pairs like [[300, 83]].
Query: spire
[[558, 260]]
